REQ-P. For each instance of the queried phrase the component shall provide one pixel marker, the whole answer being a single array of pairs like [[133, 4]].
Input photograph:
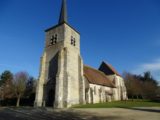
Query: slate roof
[[97, 77], [63, 14], [108, 69]]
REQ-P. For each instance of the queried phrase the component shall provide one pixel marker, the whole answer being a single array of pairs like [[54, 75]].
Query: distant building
[[64, 80]]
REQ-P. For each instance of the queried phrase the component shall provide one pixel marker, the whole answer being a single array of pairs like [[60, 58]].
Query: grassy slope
[[121, 104]]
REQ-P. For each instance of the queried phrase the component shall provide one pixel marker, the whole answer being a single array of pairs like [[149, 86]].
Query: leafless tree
[[133, 85], [138, 85], [19, 85]]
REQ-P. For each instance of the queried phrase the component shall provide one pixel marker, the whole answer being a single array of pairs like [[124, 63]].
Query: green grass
[[122, 104]]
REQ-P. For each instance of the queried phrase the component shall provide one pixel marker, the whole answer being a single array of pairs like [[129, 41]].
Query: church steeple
[[63, 14]]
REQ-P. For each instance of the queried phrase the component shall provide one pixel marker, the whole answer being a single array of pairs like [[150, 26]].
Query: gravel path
[[80, 114], [125, 114]]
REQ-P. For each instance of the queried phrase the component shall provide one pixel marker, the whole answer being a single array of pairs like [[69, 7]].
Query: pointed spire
[[63, 14]]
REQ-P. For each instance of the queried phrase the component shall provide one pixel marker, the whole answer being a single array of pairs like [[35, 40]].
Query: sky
[[123, 33]]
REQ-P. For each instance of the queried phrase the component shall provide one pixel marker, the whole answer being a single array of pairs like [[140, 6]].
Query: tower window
[[73, 41], [53, 39]]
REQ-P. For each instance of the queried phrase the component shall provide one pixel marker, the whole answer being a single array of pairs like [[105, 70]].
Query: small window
[[95, 90], [53, 39], [73, 41]]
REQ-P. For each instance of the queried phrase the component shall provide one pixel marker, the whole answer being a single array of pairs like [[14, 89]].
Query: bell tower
[[61, 82]]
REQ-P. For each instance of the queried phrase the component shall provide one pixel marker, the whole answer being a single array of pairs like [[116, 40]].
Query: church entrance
[[51, 84], [50, 98]]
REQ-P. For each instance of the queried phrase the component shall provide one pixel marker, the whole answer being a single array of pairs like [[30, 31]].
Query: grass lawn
[[122, 104]]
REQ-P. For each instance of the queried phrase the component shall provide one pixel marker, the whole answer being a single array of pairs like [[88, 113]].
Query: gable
[[108, 69]]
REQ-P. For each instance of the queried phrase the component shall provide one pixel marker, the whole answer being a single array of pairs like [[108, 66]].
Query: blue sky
[[124, 33]]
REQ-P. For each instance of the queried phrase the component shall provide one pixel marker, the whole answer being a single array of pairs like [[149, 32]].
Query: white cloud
[[153, 67]]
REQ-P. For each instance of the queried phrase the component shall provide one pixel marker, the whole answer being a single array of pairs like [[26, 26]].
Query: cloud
[[153, 67]]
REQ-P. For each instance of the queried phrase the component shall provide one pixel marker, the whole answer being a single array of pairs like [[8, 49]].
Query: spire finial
[[63, 14]]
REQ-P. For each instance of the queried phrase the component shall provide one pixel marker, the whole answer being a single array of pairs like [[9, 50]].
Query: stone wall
[[99, 94], [120, 92], [69, 89]]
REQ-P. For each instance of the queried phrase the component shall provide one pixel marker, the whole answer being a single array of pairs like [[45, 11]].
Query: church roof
[[63, 18], [108, 69], [63, 14], [97, 77]]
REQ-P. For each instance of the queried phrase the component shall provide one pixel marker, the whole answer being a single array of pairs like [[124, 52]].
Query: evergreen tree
[[6, 76], [6, 80]]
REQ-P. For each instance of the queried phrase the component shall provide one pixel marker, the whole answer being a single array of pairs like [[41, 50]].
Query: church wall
[[81, 82], [69, 77], [68, 34], [40, 83], [120, 90], [52, 50], [72, 68], [60, 35], [61, 81], [49, 53], [99, 94], [115, 80]]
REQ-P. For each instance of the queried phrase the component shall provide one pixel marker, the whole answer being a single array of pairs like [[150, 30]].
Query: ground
[[150, 113]]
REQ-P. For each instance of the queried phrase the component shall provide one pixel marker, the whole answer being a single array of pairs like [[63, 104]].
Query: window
[[53, 39], [95, 90], [73, 41]]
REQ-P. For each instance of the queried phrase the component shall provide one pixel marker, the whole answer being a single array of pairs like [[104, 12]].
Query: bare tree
[[133, 85], [137, 85], [19, 85]]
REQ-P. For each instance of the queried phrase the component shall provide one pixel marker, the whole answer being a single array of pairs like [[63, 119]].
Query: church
[[64, 80]]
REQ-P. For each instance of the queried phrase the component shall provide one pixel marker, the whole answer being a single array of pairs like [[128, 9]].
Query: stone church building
[[64, 80]]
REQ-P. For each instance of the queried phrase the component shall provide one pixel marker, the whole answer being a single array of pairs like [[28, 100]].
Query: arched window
[[53, 39], [73, 41]]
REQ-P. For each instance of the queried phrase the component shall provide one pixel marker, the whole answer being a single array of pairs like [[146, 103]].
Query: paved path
[[80, 114], [125, 114]]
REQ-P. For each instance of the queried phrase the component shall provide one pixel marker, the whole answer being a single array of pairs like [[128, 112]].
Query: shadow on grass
[[143, 109]]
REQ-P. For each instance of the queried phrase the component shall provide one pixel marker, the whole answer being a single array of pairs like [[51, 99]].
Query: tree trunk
[[18, 100], [132, 97], [142, 97], [137, 97]]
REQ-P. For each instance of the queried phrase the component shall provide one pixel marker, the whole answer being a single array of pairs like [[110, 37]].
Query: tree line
[[141, 86], [17, 87]]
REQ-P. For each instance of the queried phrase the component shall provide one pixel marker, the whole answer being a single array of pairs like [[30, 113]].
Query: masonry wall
[[120, 92], [99, 94], [74, 68], [69, 88]]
